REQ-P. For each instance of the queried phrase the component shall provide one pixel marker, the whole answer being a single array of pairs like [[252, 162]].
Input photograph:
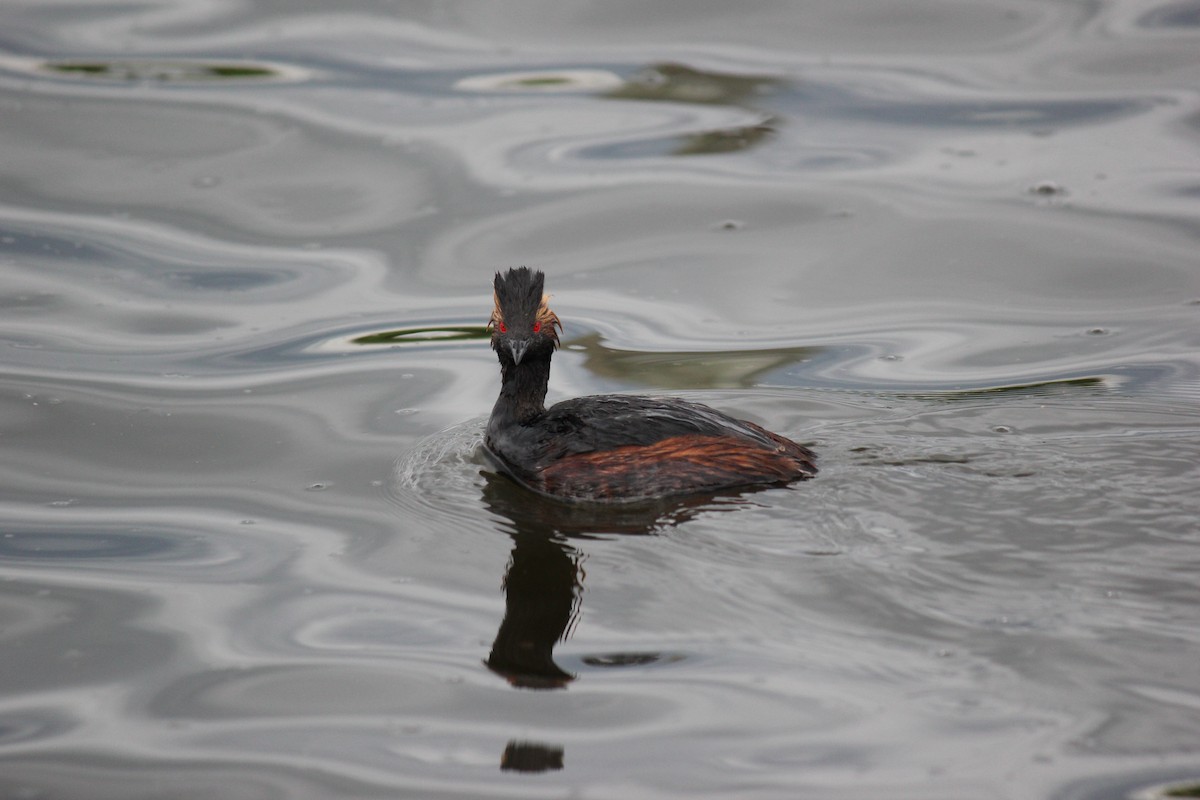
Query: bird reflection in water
[[531, 757], [543, 587], [543, 584]]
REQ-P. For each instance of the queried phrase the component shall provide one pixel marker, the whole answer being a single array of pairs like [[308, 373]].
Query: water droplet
[[247, 522], [891, 357], [1097, 331], [406, 411], [317, 487]]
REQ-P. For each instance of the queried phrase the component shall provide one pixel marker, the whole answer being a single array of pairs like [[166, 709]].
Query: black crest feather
[[519, 293]]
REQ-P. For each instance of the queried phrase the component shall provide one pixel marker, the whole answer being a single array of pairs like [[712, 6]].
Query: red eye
[[537, 326], [503, 328]]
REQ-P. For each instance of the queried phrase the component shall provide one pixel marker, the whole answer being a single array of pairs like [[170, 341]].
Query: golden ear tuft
[[497, 317], [548, 318]]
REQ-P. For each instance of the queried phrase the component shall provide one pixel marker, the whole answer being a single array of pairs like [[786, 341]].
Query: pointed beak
[[518, 347]]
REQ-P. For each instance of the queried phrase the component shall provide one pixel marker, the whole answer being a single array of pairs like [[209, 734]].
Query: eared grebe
[[612, 447]]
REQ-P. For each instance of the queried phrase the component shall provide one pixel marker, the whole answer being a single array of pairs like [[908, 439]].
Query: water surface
[[249, 547]]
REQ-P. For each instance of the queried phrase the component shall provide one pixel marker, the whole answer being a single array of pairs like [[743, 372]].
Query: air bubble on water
[[317, 487], [1097, 331], [1001, 429]]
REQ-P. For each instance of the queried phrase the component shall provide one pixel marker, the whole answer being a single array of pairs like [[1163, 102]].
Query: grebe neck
[[522, 391]]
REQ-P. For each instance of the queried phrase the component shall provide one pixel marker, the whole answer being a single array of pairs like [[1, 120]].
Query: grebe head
[[522, 323]]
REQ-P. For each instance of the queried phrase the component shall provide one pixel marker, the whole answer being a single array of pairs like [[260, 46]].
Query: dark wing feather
[[604, 422]]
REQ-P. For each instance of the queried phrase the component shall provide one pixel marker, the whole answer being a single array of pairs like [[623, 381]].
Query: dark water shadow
[[427, 334], [522, 756], [691, 369], [66, 547], [163, 71], [1185, 14], [680, 83], [778, 102]]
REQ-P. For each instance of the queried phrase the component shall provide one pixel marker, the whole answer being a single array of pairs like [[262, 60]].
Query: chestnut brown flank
[[692, 462]]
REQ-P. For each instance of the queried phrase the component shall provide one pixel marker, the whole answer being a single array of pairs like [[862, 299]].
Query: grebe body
[[613, 447]]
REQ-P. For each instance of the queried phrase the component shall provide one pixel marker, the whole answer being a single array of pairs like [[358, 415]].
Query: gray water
[[250, 549]]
